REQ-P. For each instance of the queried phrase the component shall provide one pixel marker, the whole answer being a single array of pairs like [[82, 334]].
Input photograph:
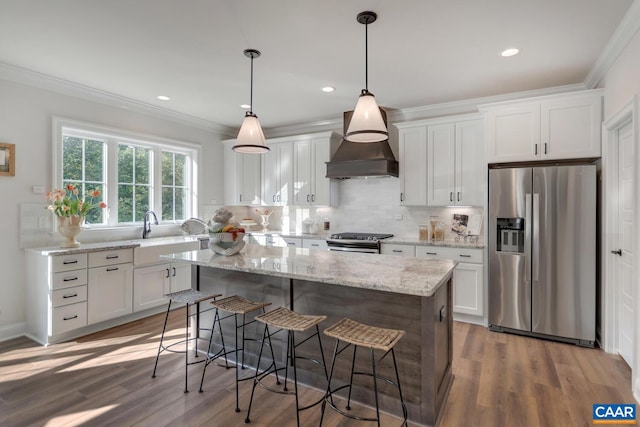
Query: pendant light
[[367, 124], [250, 138]]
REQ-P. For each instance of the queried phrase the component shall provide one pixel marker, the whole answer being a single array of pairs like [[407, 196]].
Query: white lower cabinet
[[468, 279], [110, 289], [152, 283]]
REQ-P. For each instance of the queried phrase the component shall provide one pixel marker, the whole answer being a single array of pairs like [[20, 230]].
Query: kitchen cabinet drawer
[[68, 262], [68, 279], [457, 254], [317, 244], [69, 317], [116, 256], [68, 296], [400, 250]]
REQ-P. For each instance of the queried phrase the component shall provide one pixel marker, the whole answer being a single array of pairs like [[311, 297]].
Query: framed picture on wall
[[7, 159]]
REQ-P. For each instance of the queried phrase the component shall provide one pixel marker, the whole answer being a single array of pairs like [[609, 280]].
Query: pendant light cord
[[366, 56], [251, 90]]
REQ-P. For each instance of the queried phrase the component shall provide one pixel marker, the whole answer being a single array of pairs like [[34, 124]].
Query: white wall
[[25, 120], [621, 83]]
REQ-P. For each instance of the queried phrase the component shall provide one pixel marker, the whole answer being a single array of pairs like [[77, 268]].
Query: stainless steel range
[[356, 242]]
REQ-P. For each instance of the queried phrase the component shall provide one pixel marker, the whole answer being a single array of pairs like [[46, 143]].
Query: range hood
[[362, 160]]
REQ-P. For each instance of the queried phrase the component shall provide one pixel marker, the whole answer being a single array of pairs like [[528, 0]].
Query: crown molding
[[424, 112], [43, 81], [621, 37]]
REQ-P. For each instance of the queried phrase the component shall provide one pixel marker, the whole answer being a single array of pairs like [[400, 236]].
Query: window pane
[[181, 198], [72, 158], [93, 160], [167, 203], [125, 164], [95, 214], [143, 156], [167, 168], [180, 163], [125, 203], [142, 201]]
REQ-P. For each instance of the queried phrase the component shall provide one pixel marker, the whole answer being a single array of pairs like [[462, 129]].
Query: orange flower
[[94, 193], [103, 205], [70, 187]]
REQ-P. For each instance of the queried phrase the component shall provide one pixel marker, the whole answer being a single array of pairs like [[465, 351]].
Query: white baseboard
[[12, 331]]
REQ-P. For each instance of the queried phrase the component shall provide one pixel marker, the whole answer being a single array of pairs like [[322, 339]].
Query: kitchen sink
[[150, 250]]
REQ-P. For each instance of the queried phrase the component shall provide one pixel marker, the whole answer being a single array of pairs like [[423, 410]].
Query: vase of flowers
[[71, 209]]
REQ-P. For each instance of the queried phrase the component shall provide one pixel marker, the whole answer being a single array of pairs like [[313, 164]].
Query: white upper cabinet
[[277, 174], [442, 161], [310, 184], [241, 177], [553, 127], [412, 142], [456, 168]]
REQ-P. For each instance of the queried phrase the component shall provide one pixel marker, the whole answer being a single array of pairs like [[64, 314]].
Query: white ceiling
[[421, 52]]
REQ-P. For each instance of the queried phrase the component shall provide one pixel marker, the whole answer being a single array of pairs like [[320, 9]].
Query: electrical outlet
[[398, 217], [38, 189]]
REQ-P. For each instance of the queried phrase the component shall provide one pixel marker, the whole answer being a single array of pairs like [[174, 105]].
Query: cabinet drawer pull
[[465, 256], [69, 279], [167, 272], [291, 243], [112, 269], [397, 250], [70, 318], [75, 261], [432, 253], [112, 256], [314, 244], [402, 197], [69, 296], [174, 272], [451, 196]]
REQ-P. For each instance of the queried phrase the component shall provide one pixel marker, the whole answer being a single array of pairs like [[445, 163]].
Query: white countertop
[[412, 276]]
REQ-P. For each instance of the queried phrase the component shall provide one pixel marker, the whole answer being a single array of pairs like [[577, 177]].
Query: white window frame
[[113, 137]]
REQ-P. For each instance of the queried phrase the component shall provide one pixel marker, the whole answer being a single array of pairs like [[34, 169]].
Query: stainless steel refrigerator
[[542, 252]]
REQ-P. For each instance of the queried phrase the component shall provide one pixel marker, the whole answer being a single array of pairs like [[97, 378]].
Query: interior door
[[626, 228]]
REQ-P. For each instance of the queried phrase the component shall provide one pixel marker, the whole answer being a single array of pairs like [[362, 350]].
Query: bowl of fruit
[[227, 236]]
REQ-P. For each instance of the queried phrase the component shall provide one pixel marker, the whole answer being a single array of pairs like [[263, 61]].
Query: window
[[134, 173]]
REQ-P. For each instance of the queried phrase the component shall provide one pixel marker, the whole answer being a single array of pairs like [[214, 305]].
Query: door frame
[[609, 291]]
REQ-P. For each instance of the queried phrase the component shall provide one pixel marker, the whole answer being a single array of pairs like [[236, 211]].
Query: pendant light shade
[[250, 137], [367, 124]]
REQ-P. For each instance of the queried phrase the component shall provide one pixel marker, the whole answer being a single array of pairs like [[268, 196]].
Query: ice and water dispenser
[[510, 235]]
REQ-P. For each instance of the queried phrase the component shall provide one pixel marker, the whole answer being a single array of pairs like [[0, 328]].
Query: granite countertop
[[119, 244], [412, 276]]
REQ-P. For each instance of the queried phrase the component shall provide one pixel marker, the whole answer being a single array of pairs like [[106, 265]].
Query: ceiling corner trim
[[46, 82], [623, 34]]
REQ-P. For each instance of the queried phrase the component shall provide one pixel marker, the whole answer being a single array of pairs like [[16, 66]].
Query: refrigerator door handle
[[527, 235], [535, 260]]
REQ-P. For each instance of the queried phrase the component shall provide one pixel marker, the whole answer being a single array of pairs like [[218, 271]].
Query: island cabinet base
[[424, 354]]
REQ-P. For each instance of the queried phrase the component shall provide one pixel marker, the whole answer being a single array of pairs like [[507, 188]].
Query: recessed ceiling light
[[245, 106], [510, 52], [163, 98], [328, 89]]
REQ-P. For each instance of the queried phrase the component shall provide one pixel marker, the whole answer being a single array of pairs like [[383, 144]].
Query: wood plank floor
[[105, 379]]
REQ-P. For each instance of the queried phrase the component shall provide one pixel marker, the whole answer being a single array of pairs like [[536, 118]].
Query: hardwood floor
[[105, 379]]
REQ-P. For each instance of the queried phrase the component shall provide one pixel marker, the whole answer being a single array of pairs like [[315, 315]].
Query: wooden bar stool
[[190, 298], [358, 334], [286, 320], [234, 305]]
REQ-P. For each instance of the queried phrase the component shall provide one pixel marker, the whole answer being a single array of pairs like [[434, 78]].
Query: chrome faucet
[[146, 227]]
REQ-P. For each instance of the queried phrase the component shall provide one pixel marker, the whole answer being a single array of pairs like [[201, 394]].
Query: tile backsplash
[[366, 205]]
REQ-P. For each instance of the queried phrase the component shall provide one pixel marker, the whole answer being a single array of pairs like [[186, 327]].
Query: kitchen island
[[412, 294]]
